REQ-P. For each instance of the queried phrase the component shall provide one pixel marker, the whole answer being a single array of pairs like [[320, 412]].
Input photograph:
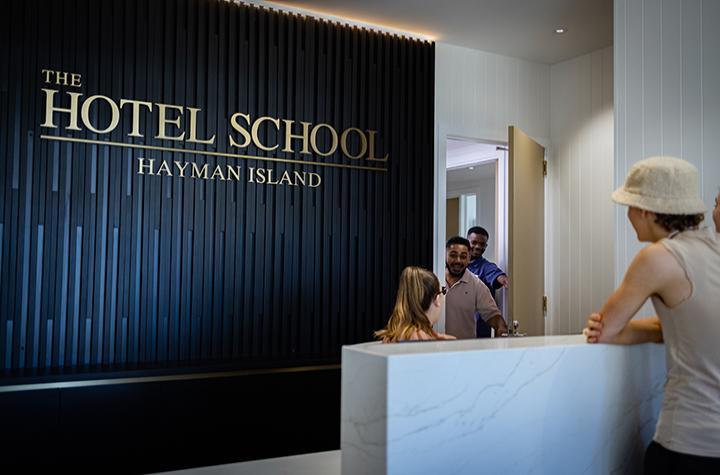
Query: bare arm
[[650, 272], [646, 330]]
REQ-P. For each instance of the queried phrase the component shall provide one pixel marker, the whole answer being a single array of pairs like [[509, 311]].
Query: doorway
[[476, 195]]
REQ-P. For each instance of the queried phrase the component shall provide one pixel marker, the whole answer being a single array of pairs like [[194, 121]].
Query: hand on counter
[[445, 336], [498, 324], [593, 329]]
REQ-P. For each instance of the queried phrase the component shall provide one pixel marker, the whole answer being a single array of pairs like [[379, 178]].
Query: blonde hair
[[418, 287]]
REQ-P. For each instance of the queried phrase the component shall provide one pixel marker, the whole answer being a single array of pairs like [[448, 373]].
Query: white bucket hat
[[664, 185]]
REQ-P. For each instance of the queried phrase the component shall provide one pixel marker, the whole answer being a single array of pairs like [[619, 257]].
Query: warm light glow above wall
[[339, 18]]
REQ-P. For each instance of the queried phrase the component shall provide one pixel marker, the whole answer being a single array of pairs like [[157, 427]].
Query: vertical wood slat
[[101, 265]]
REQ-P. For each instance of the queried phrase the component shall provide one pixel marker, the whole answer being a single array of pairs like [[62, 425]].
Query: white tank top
[[690, 416]]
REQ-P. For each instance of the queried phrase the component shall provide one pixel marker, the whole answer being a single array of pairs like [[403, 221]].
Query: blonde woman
[[417, 308]]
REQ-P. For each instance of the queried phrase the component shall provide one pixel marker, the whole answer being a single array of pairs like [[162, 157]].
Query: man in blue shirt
[[489, 273]]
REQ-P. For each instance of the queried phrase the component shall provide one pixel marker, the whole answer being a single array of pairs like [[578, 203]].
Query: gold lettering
[[163, 121], [371, 147], [234, 124], [256, 127], [141, 165], [114, 118], [181, 168], [135, 132], [315, 180], [234, 171], [61, 78], [313, 139], [285, 179], [344, 145], [50, 109], [193, 128], [199, 172], [299, 178], [164, 168], [218, 171], [251, 175], [289, 136], [270, 173]]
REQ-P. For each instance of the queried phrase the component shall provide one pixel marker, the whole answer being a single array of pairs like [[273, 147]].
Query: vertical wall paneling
[[101, 265], [580, 178], [667, 96], [477, 95]]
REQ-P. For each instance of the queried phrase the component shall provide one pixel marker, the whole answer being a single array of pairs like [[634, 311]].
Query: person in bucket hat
[[680, 272]]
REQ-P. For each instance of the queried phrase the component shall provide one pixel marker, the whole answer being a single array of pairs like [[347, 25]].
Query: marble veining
[[522, 405]]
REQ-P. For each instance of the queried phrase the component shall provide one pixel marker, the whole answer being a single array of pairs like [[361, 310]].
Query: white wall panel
[[477, 95], [580, 220], [667, 90]]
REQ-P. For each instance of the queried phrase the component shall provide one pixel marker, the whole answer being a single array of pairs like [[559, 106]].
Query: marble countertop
[[450, 346]]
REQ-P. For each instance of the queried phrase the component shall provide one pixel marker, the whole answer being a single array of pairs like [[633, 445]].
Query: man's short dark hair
[[479, 231], [457, 240]]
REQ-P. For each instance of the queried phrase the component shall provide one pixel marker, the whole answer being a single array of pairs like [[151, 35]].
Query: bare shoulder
[[656, 264], [654, 257]]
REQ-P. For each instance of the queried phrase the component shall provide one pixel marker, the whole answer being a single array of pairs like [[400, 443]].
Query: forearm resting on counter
[[645, 330]]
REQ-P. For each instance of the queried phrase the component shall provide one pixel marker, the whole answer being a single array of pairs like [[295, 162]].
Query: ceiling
[[469, 162], [518, 28], [464, 153], [464, 179]]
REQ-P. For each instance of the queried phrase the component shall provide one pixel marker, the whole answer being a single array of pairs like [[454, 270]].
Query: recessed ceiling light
[[560, 30], [471, 168]]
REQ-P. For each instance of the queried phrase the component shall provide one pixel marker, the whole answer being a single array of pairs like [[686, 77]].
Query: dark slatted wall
[[102, 265]]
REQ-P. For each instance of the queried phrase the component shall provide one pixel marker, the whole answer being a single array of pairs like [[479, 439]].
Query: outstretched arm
[[488, 310]]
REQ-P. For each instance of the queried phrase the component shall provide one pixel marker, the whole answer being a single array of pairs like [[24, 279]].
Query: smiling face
[[478, 245], [457, 258]]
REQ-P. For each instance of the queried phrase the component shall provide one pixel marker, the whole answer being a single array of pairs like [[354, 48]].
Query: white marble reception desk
[[512, 405]]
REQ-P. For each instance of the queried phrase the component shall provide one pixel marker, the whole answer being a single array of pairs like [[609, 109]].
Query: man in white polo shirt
[[466, 294]]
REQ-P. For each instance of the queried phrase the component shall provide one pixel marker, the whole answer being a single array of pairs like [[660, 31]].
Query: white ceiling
[[465, 153], [468, 163], [518, 28], [462, 179]]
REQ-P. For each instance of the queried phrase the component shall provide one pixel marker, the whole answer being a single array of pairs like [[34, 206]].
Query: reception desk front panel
[[526, 405]]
